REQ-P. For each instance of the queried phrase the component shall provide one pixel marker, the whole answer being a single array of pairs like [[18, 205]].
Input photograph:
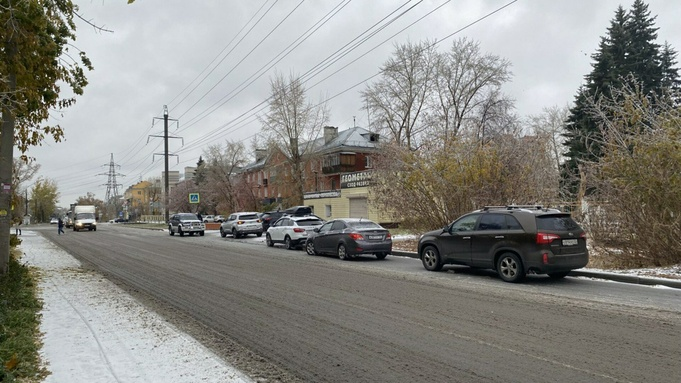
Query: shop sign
[[324, 194], [355, 180]]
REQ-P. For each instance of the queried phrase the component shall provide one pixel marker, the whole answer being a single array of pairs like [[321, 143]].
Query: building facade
[[337, 175]]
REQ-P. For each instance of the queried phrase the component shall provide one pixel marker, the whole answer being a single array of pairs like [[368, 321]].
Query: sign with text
[[355, 180], [194, 198]]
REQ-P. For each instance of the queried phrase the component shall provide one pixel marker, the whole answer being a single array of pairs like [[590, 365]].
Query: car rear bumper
[[557, 263], [367, 247]]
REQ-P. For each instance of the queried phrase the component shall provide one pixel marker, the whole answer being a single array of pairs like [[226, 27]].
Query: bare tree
[[634, 210], [221, 166], [550, 125], [468, 90], [397, 101], [292, 124]]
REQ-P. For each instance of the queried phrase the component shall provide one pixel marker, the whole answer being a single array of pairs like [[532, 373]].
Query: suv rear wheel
[[431, 259], [510, 268], [170, 229]]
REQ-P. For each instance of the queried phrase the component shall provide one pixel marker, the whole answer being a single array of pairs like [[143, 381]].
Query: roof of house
[[356, 138]]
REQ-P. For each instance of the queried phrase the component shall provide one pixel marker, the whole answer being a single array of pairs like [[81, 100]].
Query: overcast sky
[[211, 62]]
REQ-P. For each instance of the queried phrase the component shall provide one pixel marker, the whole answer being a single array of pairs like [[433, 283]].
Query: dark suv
[[513, 240]]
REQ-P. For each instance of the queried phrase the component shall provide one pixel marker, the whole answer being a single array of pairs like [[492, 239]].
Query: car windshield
[[309, 222], [85, 216], [364, 225], [187, 217], [556, 222], [248, 216]]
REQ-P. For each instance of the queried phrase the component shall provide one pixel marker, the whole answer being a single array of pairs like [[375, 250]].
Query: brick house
[[336, 179]]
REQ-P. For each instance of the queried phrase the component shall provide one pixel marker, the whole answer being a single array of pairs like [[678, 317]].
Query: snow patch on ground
[[95, 332]]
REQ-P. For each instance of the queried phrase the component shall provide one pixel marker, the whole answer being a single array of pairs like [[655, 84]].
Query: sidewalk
[[95, 332]]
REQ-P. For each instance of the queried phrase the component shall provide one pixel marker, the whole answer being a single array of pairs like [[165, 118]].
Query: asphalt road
[[319, 319]]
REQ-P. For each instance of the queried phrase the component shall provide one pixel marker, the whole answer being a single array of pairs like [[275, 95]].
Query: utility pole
[[166, 191]]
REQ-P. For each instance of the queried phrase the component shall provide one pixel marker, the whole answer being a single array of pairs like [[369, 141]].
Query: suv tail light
[[583, 236], [356, 236], [388, 236], [545, 238], [298, 230]]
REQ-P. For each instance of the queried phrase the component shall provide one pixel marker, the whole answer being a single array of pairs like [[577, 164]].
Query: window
[[338, 225], [325, 227], [466, 223], [264, 182], [368, 162], [492, 222], [328, 210]]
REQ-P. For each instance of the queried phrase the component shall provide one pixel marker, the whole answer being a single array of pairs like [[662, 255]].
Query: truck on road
[[84, 217]]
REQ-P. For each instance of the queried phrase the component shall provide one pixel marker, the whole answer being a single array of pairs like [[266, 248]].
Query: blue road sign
[[193, 197]]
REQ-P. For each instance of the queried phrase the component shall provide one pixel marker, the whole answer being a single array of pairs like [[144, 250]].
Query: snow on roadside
[[95, 332]]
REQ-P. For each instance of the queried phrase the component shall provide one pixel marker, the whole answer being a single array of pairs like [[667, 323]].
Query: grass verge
[[19, 323]]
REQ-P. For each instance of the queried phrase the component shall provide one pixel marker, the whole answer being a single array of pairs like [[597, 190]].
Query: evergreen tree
[[200, 172], [627, 53]]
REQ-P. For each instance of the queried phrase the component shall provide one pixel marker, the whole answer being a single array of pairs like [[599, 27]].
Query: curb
[[634, 279]]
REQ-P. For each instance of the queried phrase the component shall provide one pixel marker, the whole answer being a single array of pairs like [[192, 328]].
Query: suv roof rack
[[512, 207]]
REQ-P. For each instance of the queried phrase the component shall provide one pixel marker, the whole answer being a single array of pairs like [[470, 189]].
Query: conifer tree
[[628, 53]]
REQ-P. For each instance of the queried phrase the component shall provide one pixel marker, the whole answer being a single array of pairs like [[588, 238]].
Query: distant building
[[173, 178], [189, 173]]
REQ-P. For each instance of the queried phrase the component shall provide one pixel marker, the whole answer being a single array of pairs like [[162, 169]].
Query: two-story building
[[337, 175]]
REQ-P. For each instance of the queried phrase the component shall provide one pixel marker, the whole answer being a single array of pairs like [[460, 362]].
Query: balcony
[[341, 168]]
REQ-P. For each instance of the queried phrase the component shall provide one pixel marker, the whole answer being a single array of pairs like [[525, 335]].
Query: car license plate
[[570, 242], [375, 237]]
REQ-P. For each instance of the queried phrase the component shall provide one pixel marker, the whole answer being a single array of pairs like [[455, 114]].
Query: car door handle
[[466, 238], [498, 237]]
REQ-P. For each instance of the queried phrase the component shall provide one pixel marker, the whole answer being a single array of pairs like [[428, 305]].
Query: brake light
[[240, 222], [545, 258], [545, 238], [298, 230], [356, 236], [388, 236], [583, 236]]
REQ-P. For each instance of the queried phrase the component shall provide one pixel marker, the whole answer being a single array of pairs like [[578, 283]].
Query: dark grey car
[[513, 240], [349, 237]]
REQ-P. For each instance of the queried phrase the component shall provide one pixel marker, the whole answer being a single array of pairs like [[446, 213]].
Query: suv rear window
[[556, 222], [248, 216]]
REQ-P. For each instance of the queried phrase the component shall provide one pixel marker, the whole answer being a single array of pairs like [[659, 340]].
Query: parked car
[[54, 221], [219, 218], [208, 218], [513, 240], [269, 218], [349, 237], [291, 231], [241, 224], [182, 223], [298, 211]]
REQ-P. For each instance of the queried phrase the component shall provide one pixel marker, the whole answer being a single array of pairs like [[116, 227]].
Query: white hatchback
[[291, 231]]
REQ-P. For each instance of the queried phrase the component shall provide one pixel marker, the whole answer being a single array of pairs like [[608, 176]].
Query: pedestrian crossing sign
[[193, 197]]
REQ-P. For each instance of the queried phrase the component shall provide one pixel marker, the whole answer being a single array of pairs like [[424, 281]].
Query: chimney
[[330, 133], [260, 154]]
